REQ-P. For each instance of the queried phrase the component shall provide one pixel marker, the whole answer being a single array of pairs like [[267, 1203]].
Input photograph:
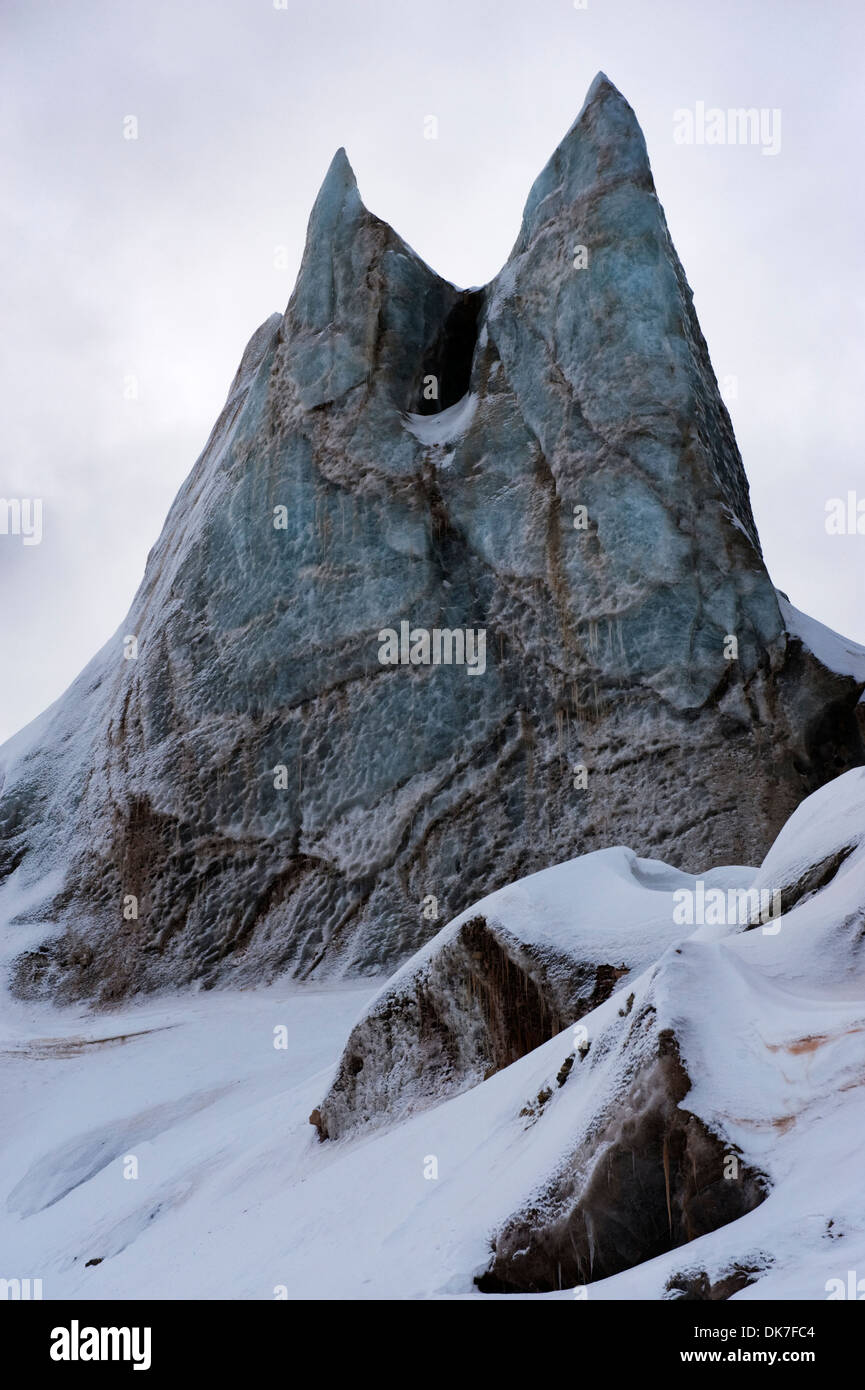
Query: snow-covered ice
[[838, 653], [236, 1197]]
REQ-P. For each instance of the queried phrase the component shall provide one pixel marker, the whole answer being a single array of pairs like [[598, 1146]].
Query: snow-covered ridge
[[838, 653]]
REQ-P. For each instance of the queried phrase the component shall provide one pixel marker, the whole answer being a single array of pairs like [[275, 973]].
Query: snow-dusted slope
[[236, 1196]]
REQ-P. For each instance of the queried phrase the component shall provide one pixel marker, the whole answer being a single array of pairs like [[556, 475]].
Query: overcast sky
[[154, 259]]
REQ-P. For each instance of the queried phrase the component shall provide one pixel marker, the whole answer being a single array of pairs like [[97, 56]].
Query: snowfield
[[236, 1197]]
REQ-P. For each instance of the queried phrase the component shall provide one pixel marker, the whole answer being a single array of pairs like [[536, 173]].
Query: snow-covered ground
[[195, 1089], [236, 1197]]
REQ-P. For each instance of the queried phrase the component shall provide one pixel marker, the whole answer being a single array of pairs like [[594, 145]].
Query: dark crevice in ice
[[450, 357]]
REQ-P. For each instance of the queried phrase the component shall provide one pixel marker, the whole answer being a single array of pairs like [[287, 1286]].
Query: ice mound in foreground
[[505, 976], [686, 1101]]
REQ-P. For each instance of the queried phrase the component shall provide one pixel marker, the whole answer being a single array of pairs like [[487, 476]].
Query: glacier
[[235, 788]]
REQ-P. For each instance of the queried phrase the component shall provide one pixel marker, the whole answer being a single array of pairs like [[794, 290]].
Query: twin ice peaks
[[256, 792], [606, 130]]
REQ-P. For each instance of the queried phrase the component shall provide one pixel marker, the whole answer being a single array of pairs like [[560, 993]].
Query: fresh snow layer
[[604, 907], [236, 1198]]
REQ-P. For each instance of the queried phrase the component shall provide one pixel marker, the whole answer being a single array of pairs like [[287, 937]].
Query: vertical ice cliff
[[247, 789]]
